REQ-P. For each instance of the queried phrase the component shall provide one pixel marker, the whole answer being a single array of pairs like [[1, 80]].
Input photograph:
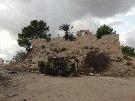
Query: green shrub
[[129, 51], [104, 30], [20, 56]]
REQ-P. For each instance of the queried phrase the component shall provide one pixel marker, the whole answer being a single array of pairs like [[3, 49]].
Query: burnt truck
[[60, 66]]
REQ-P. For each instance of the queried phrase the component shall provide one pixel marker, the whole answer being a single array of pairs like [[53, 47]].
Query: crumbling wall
[[78, 48]]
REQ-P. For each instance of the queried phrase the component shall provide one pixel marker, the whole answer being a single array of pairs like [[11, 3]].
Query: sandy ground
[[35, 87]]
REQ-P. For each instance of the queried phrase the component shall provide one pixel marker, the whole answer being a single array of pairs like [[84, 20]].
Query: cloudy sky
[[82, 14]]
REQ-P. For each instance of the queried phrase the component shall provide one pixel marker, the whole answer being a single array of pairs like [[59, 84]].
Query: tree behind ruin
[[36, 29]]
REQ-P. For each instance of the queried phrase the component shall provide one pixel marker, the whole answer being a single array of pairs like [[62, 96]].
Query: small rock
[[24, 100], [97, 75], [91, 74]]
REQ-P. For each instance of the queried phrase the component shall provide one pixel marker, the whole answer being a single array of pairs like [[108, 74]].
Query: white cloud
[[8, 46], [131, 12], [130, 38], [86, 23], [116, 20]]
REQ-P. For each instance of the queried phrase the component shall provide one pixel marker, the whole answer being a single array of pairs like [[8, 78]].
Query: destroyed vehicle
[[60, 66]]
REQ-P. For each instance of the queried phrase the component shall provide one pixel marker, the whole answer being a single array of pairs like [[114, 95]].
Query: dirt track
[[35, 87]]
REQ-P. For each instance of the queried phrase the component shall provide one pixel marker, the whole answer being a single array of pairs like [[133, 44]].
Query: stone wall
[[78, 48], [108, 43]]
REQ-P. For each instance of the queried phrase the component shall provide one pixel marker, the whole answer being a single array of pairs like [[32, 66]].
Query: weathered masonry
[[78, 48]]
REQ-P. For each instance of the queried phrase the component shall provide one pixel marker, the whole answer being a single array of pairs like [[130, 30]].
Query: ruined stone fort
[[59, 47]]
